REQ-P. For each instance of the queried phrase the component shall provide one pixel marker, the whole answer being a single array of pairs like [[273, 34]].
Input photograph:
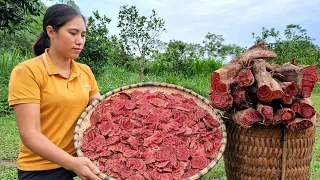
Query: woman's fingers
[[92, 167], [86, 170]]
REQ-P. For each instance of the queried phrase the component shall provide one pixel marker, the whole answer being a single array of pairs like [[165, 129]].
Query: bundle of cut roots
[[251, 90]]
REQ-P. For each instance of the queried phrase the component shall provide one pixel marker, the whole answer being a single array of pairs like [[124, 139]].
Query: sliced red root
[[245, 78], [222, 78], [284, 116], [268, 88], [302, 124], [247, 117]]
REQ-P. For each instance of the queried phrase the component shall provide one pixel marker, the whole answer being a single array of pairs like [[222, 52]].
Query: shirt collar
[[52, 69]]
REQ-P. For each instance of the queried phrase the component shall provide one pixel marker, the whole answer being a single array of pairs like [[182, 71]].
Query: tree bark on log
[[304, 107], [284, 116], [300, 124], [290, 90], [221, 101], [245, 78], [223, 78], [304, 76], [247, 117], [257, 51], [240, 100], [268, 88], [266, 113]]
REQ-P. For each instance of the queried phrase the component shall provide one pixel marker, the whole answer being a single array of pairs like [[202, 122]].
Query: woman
[[48, 94]]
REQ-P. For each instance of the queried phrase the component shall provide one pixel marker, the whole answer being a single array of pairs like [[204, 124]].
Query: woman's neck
[[61, 63]]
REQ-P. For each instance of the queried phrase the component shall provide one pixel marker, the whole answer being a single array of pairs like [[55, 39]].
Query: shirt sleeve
[[23, 87], [93, 82]]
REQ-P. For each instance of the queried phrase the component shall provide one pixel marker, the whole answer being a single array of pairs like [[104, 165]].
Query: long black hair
[[55, 16]]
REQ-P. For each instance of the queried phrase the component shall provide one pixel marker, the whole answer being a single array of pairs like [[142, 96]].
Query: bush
[[8, 60], [186, 68]]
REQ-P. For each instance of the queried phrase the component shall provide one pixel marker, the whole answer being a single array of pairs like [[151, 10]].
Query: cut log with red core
[[222, 78], [309, 78], [268, 88], [266, 113], [304, 76], [240, 100], [247, 117], [257, 51], [245, 78], [304, 107], [278, 94], [221, 101], [300, 124], [290, 90], [284, 116]]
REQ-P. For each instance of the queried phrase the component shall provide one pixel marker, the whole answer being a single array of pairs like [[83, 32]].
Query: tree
[[98, 43], [215, 49], [139, 33], [212, 44], [101, 48], [231, 50], [15, 14], [295, 44]]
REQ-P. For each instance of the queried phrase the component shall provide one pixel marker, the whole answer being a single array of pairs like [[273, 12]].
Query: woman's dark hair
[[56, 16]]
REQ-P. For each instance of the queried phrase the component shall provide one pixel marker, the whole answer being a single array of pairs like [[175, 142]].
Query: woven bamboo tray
[[84, 120], [262, 152]]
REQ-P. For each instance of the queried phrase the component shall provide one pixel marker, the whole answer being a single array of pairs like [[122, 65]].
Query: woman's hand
[[84, 168]]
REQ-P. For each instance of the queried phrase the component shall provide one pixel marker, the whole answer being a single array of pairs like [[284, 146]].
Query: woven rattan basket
[[84, 120], [263, 152]]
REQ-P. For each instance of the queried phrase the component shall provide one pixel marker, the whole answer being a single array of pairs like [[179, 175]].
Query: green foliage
[[22, 39], [206, 66], [100, 47], [213, 44], [187, 68], [139, 34], [295, 44], [8, 60], [214, 47], [15, 14]]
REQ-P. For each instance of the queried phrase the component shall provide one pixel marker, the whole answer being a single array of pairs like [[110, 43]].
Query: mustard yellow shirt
[[62, 100]]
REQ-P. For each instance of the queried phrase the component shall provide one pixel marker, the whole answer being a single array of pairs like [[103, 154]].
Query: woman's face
[[70, 38]]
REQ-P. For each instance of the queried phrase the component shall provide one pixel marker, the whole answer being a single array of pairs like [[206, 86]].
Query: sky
[[190, 20]]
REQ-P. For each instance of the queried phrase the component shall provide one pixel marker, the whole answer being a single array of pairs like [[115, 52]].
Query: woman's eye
[[72, 33]]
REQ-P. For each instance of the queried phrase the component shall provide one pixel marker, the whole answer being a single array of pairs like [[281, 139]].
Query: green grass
[[315, 163], [316, 102], [116, 77], [9, 145], [9, 138]]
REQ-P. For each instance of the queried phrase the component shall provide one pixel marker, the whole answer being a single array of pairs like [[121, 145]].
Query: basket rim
[[91, 106]]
